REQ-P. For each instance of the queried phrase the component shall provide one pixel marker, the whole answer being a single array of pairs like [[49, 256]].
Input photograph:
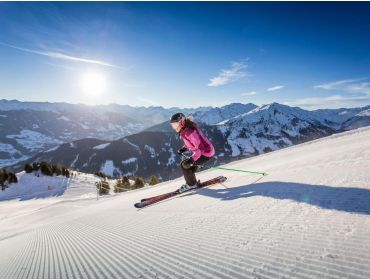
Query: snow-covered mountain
[[28, 128], [339, 116], [153, 152], [308, 218], [25, 133], [361, 119], [237, 130], [271, 127], [144, 154], [216, 115]]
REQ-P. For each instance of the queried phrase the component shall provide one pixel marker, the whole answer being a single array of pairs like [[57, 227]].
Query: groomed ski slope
[[309, 218]]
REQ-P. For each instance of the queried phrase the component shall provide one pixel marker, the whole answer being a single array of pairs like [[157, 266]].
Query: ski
[[151, 200], [213, 181]]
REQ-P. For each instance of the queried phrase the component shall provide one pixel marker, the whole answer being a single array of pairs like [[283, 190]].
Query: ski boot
[[186, 187]]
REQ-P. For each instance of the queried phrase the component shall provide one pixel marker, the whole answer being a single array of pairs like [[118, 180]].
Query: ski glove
[[182, 150], [187, 163]]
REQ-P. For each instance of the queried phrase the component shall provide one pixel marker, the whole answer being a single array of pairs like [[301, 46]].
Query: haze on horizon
[[186, 54]]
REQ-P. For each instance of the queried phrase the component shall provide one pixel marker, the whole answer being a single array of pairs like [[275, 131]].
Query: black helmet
[[177, 117]]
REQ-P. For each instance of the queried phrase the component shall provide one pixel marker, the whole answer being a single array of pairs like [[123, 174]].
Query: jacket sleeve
[[194, 138]]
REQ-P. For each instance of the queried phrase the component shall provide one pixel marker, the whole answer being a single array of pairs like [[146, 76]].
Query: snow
[[52, 149], [101, 146], [109, 168], [130, 160], [64, 118], [32, 194], [13, 155], [365, 113], [84, 126], [136, 147], [30, 186], [221, 115], [74, 161], [269, 127], [151, 150], [131, 166], [172, 158], [33, 140], [93, 155], [308, 218], [235, 151], [7, 148]]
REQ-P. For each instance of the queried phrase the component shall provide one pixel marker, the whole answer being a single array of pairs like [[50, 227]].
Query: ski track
[[206, 234]]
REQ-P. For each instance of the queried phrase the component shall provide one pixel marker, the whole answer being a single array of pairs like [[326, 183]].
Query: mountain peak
[[224, 113]]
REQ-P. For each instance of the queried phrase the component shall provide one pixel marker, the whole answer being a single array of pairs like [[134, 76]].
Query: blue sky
[[186, 54]]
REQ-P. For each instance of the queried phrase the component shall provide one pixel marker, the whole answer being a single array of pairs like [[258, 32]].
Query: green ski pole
[[240, 170]]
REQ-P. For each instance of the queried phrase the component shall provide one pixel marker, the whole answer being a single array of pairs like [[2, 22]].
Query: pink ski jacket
[[196, 142]]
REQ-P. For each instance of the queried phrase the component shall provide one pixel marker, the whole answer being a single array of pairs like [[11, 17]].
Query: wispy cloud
[[251, 93], [275, 88], [333, 101], [59, 55], [227, 76], [353, 93], [349, 85], [337, 84]]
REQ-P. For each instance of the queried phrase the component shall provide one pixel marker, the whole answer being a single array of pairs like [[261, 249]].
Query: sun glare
[[93, 83]]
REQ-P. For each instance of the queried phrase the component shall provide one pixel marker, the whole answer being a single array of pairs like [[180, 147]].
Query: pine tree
[[28, 168], [103, 187], [66, 172], [118, 187], [126, 183], [46, 169], [36, 166], [7, 178], [12, 178], [3, 179], [57, 169], [153, 180], [139, 183]]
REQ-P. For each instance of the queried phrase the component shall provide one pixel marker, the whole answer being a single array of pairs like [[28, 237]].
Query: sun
[[93, 83]]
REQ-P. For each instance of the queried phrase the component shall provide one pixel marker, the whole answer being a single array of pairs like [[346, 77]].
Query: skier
[[195, 141]]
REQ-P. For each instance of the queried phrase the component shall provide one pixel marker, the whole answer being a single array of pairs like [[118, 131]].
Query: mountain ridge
[[243, 132]]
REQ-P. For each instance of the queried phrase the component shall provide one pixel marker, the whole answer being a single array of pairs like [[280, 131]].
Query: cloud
[[249, 93], [227, 76], [360, 85], [59, 55], [338, 84], [275, 88], [333, 101], [354, 93]]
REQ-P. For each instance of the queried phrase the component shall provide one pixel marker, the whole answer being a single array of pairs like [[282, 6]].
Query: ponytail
[[189, 123]]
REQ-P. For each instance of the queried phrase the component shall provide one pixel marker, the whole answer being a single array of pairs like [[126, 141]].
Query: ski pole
[[240, 170]]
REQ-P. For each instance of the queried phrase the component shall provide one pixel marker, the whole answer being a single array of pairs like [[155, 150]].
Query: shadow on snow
[[355, 200]]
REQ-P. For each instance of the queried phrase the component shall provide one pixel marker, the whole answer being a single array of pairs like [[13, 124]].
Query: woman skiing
[[195, 141]]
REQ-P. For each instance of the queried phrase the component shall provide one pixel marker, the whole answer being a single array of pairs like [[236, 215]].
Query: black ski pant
[[189, 170]]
